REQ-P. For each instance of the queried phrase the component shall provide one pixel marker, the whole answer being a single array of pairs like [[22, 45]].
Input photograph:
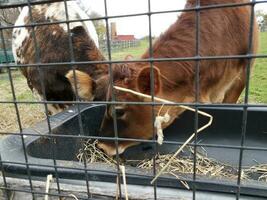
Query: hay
[[185, 165], [261, 170], [179, 166], [91, 154]]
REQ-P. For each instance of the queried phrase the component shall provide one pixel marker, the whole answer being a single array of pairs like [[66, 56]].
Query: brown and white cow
[[223, 32], [53, 44]]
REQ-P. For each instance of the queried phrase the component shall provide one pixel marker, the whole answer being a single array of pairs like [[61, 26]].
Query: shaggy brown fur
[[53, 44], [223, 32]]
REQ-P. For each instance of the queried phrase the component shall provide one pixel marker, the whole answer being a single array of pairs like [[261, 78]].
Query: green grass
[[258, 84], [136, 52], [22, 91]]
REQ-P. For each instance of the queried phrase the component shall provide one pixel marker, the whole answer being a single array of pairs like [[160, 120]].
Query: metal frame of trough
[[32, 188]]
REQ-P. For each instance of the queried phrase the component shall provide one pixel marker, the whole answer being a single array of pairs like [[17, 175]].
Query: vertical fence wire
[[81, 130], [197, 89], [4, 179], [41, 75], [152, 93], [2, 168], [17, 115], [113, 98], [246, 98]]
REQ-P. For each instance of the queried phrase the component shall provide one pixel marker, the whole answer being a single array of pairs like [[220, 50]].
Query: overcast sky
[[139, 25]]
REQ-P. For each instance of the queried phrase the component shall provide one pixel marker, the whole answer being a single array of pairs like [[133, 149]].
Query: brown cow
[[53, 43], [223, 32]]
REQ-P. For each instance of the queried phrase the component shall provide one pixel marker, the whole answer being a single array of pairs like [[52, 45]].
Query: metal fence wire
[[88, 173]]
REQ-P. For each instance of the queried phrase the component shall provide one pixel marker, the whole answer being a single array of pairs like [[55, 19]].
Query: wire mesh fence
[[119, 45], [55, 49]]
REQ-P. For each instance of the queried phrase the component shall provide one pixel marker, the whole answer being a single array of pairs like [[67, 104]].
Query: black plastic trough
[[225, 130]]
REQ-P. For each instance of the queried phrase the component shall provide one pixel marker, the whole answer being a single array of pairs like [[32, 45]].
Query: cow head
[[133, 121]]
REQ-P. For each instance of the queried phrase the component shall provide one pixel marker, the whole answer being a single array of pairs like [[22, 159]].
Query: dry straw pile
[[180, 165]]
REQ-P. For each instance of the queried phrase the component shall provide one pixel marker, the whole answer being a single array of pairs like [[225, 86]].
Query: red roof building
[[124, 37], [115, 36]]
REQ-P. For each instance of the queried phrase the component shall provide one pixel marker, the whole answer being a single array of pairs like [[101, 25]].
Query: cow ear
[[85, 84], [143, 80]]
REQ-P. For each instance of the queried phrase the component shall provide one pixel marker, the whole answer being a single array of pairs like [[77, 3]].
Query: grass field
[[135, 52], [258, 84], [30, 113]]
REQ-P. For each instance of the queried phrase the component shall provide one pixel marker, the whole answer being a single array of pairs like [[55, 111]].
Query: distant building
[[124, 37], [115, 36], [113, 30]]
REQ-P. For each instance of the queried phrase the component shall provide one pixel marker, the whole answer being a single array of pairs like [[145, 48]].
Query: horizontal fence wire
[[137, 61], [244, 147], [203, 105], [109, 46]]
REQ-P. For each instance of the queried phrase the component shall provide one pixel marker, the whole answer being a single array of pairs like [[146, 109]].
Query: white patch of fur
[[90, 28], [57, 11], [20, 34], [54, 33], [39, 7]]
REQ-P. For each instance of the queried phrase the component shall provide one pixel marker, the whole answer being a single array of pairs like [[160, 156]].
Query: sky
[[139, 25]]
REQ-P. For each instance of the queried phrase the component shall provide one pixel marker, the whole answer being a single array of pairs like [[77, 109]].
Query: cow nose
[[107, 148], [110, 149]]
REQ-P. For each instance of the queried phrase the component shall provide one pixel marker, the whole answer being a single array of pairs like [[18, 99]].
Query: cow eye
[[120, 112]]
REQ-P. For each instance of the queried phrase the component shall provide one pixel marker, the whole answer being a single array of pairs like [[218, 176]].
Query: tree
[[99, 25], [262, 19], [8, 17]]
